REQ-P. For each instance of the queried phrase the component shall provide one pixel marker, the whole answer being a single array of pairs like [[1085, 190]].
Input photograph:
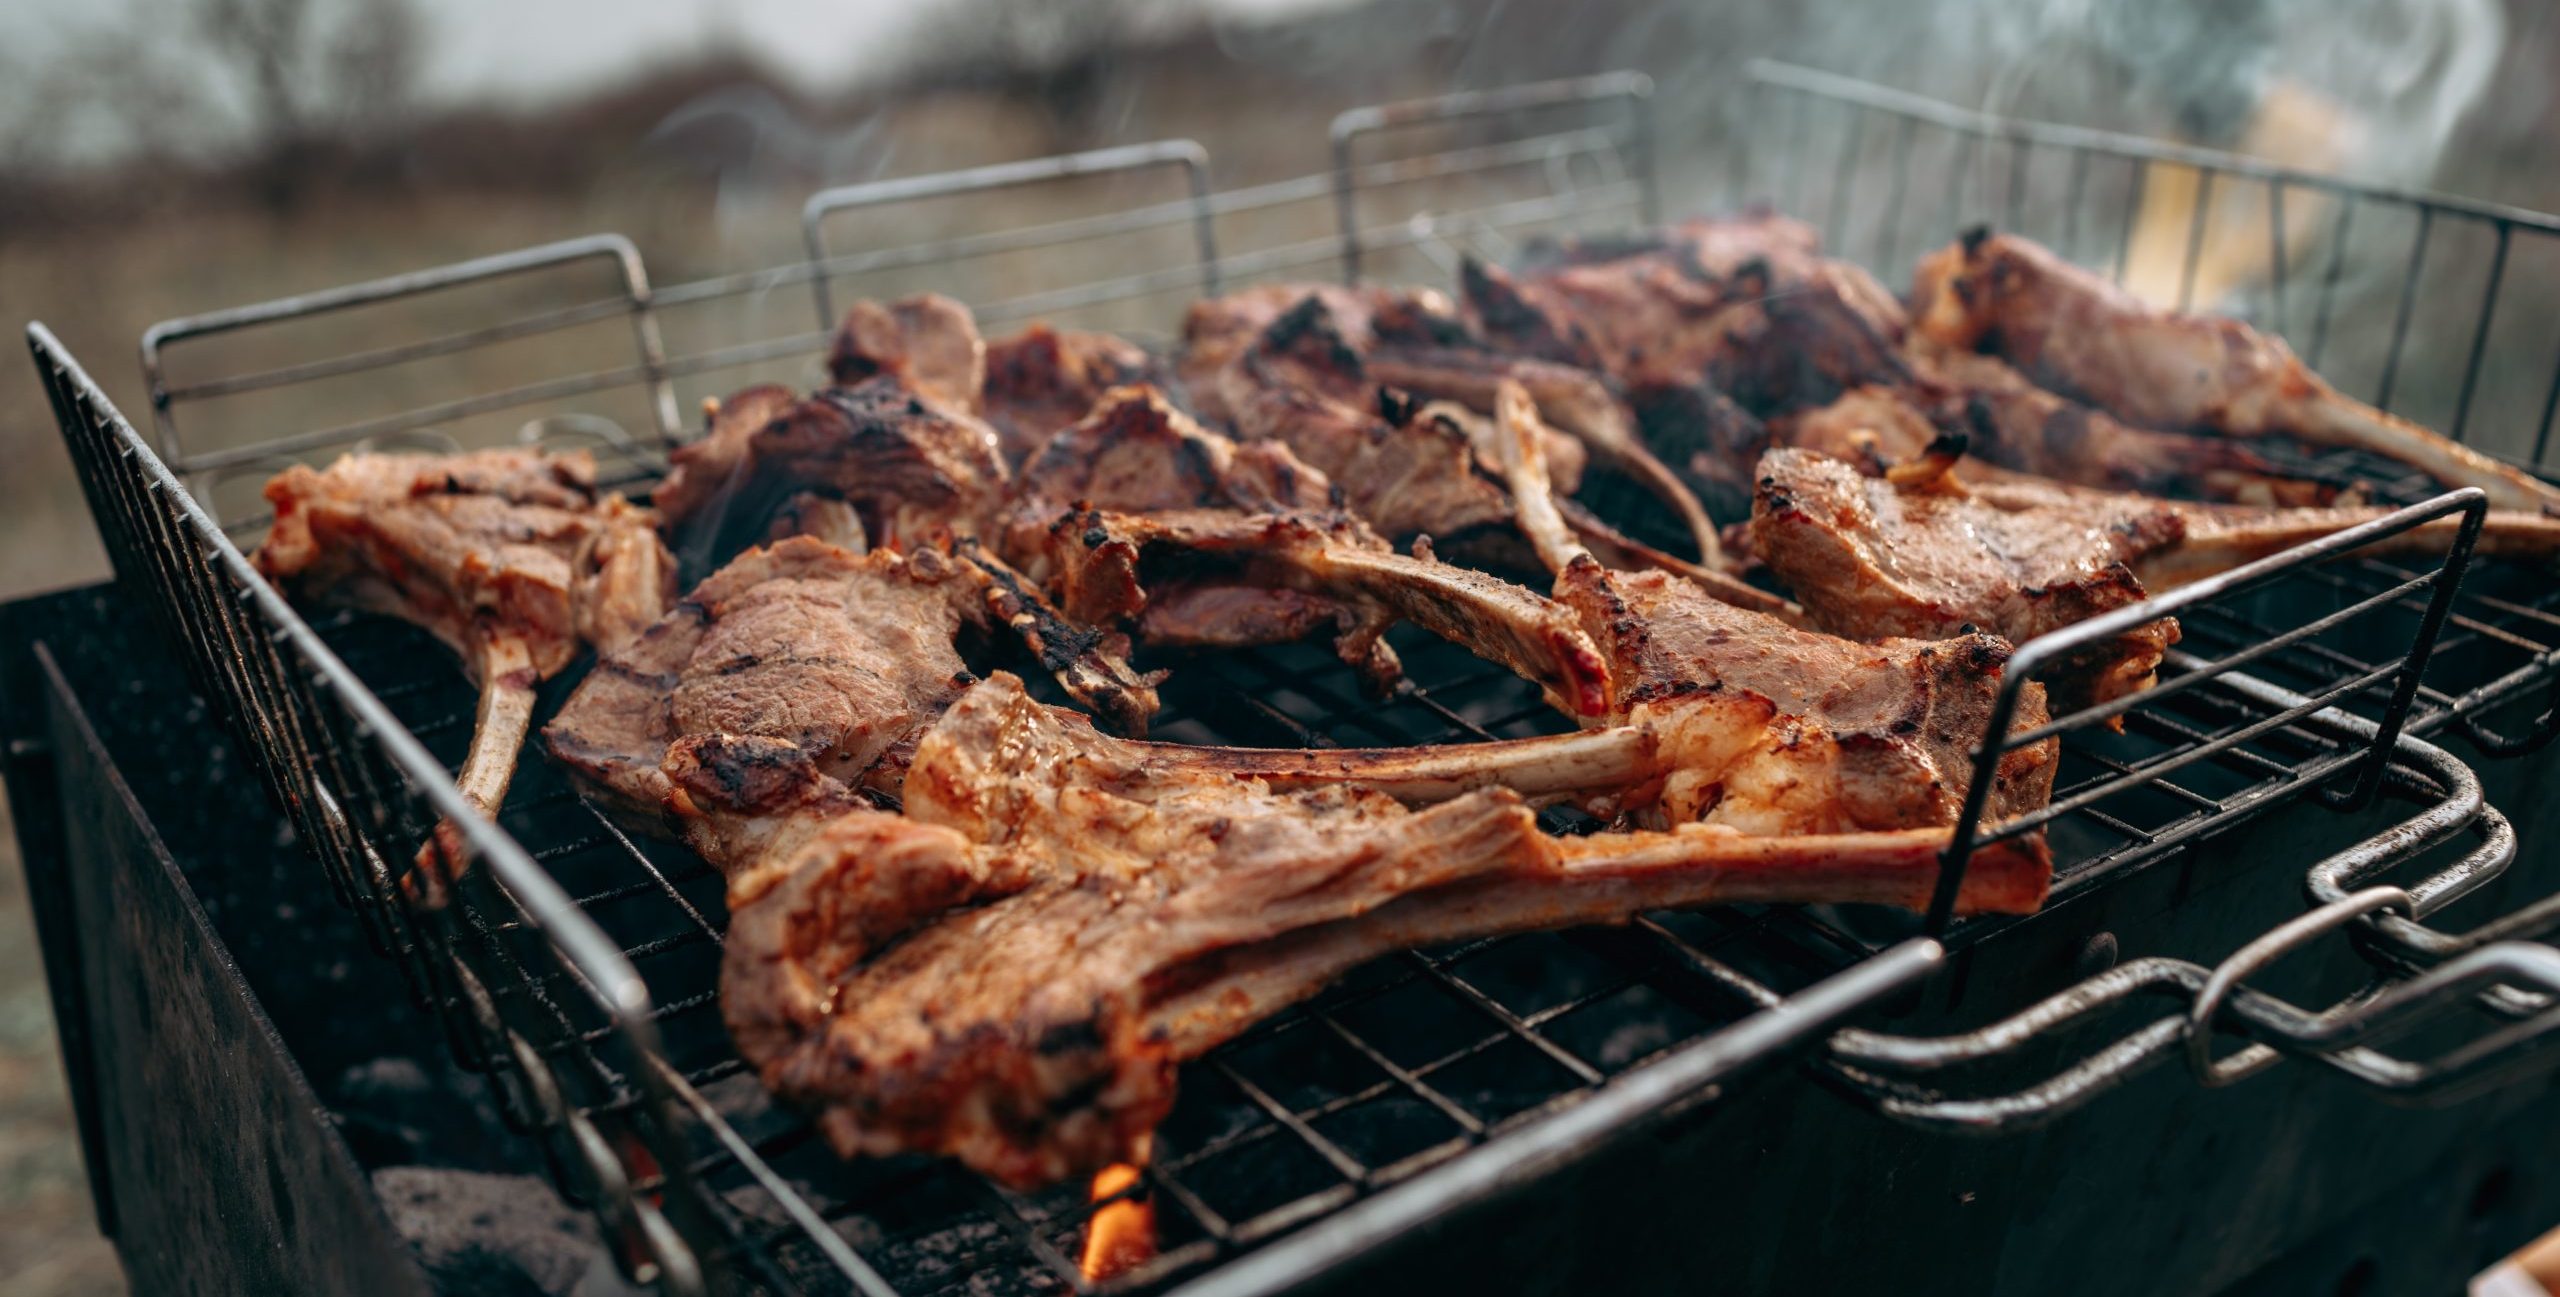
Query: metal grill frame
[[630, 1136]]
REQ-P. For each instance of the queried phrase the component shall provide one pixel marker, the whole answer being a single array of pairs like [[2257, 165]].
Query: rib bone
[[511, 557]]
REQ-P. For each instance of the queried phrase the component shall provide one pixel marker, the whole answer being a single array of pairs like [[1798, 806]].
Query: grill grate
[[1409, 1062], [1334, 1109]]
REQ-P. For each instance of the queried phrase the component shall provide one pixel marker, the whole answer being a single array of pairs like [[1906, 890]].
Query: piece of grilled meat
[[1771, 730], [897, 439], [928, 342], [1794, 734], [915, 470], [512, 557], [1010, 973], [1135, 455], [2073, 332], [1922, 556], [2216, 537], [1778, 329], [1917, 552], [800, 673], [1321, 372], [1640, 309], [1759, 341], [1217, 331], [1042, 380], [1105, 567]]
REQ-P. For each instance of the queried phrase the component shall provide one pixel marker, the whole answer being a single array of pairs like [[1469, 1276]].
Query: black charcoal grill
[[1532, 1109]]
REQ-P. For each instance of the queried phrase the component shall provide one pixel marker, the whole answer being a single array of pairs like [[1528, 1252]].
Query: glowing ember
[[1122, 1234]]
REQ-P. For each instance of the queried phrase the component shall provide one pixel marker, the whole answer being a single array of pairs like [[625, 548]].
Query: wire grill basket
[[579, 966]]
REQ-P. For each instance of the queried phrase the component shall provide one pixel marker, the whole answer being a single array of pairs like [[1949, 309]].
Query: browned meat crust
[[794, 676], [915, 469], [1774, 730], [1328, 373], [1924, 557], [2075, 333], [512, 557], [1010, 973], [927, 342], [1104, 567], [1041, 380]]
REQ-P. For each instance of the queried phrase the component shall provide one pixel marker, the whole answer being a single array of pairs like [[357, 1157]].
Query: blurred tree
[[1061, 51], [318, 87]]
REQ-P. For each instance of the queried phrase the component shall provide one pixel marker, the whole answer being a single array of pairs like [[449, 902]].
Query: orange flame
[[1122, 1234]]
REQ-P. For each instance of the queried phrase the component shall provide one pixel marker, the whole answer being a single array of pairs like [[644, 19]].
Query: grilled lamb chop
[[1774, 331], [2072, 331], [1010, 973], [1851, 741], [1922, 554], [1847, 737], [511, 557], [2219, 537], [1217, 331], [1924, 557], [2011, 422], [1134, 454], [929, 342], [1771, 324], [1405, 470], [1041, 380], [1635, 309], [915, 469], [799, 674]]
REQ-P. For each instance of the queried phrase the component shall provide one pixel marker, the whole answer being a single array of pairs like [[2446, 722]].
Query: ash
[[498, 1234]]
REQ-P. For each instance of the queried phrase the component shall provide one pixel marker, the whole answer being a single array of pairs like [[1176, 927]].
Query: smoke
[[2397, 76]]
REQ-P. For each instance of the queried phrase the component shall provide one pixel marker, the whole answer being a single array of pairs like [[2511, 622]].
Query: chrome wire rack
[[579, 966]]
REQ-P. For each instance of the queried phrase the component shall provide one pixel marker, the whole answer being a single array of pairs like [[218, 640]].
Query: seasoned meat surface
[[1010, 973], [928, 342], [1329, 376], [1772, 730], [1216, 332], [2073, 332], [506, 542], [1105, 566], [1926, 558], [1042, 380], [512, 557], [797, 674], [914, 468]]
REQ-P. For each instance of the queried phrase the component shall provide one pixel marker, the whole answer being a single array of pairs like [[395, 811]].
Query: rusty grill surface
[[580, 968]]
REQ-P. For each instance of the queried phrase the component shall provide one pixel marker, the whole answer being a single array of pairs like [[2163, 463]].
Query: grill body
[[1444, 1087]]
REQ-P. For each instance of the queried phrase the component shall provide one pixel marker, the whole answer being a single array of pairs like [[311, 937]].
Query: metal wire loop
[[2276, 943]]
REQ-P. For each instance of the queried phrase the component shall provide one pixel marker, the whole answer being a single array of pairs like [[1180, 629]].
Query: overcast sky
[[511, 49]]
